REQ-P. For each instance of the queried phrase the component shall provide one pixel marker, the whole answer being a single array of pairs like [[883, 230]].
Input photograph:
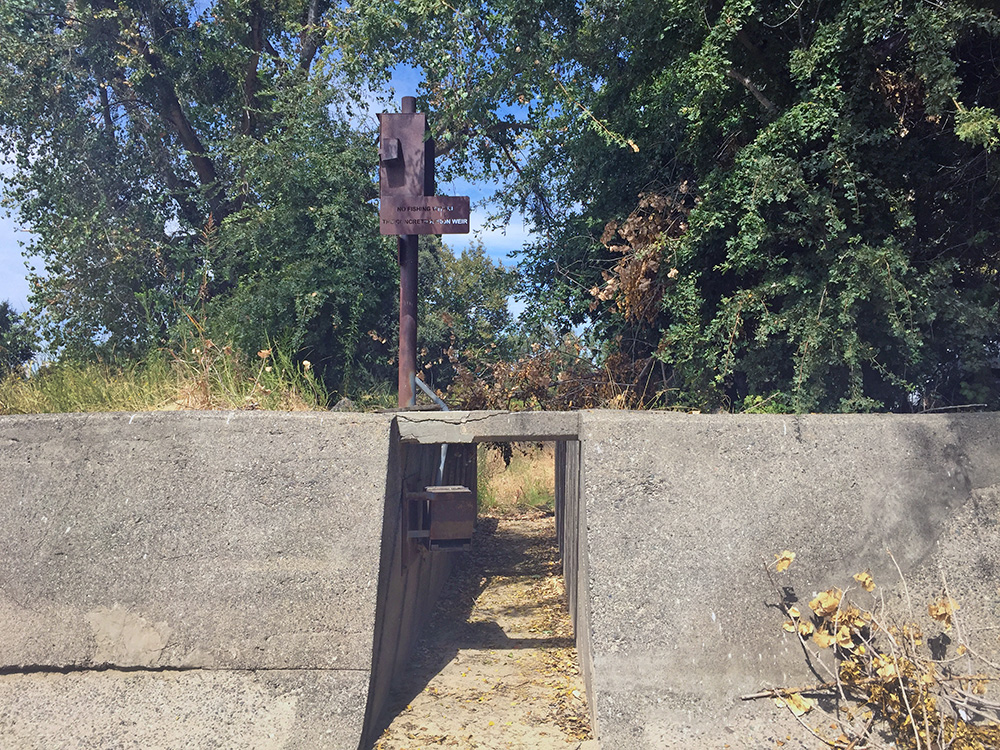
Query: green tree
[[178, 160], [17, 345], [463, 312], [789, 201]]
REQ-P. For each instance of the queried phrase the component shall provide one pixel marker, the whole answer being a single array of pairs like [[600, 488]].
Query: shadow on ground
[[496, 665]]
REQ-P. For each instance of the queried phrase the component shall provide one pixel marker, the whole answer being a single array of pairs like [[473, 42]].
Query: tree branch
[[172, 112], [109, 125], [494, 132], [766, 103], [180, 190], [312, 35], [250, 80]]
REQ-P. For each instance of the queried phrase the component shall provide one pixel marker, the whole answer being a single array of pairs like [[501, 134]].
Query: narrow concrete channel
[[496, 666]]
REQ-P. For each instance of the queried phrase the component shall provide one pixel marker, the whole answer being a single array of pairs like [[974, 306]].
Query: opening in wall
[[496, 665]]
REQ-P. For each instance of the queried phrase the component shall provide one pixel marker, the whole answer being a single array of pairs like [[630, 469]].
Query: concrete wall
[[681, 513], [238, 580], [199, 579], [410, 576]]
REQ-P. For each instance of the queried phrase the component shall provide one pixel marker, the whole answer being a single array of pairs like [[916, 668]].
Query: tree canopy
[[180, 161], [750, 203], [778, 202]]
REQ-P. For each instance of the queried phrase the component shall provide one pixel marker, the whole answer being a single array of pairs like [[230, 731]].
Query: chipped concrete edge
[[480, 426]]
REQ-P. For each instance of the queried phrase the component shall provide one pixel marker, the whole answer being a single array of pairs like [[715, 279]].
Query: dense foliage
[[769, 202], [750, 203], [16, 342], [179, 161], [463, 313]]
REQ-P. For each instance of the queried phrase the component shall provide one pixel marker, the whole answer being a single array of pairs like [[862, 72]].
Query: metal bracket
[[390, 150]]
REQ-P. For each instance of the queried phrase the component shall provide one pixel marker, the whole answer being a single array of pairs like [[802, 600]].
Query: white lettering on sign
[[424, 222], [435, 214], [428, 209]]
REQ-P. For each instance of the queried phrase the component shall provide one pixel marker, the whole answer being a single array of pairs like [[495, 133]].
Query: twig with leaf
[[881, 676]]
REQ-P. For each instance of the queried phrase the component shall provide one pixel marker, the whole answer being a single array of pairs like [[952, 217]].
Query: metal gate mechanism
[[442, 518]]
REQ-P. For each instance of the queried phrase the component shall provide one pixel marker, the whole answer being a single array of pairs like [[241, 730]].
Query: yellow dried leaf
[[823, 639], [962, 649], [844, 638], [885, 667], [788, 626], [826, 602], [798, 704], [784, 560], [806, 628], [865, 579], [942, 610], [794, 613]]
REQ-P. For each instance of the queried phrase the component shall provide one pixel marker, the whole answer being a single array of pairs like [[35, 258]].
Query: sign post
[[409, 208]]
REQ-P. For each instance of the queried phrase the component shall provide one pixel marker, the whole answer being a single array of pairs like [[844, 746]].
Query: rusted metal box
[[443, 517], [452, 516]]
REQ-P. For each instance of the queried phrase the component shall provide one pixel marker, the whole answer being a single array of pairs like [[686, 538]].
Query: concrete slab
[[203, 709], [216, 540], [213, 580], [682, 513], [479, 426]]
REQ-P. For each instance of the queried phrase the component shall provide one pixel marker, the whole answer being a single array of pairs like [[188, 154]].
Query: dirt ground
[[497, 666]]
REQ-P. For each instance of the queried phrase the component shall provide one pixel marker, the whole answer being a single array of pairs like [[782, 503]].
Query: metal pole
[[407, 303], [407, 319]]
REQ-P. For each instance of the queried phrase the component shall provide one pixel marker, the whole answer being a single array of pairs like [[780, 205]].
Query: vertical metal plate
[[406, 173]]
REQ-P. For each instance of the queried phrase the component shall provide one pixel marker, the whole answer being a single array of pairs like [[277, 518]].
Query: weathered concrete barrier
[[197, 580], [679, 514], [244, 580]]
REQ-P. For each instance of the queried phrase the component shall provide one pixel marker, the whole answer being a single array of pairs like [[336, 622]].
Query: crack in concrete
[[450, 419], [27, 669]]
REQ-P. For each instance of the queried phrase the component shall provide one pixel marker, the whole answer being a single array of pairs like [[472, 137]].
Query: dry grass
[[202, 375], [525, 482]]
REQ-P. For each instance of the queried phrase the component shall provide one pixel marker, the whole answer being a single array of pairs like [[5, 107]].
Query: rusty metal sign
[[406, 155], [409, 208], [424, 214]]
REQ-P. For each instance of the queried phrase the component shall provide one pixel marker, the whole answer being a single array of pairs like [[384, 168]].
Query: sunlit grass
[[201, 375], [526, 483]]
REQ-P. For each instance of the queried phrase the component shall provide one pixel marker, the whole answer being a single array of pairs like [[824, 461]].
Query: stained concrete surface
[[682, 512], [198, 709], [210, 540], [239, 549]]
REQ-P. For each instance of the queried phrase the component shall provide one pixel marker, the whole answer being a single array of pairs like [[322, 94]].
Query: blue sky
[[499, 244]]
